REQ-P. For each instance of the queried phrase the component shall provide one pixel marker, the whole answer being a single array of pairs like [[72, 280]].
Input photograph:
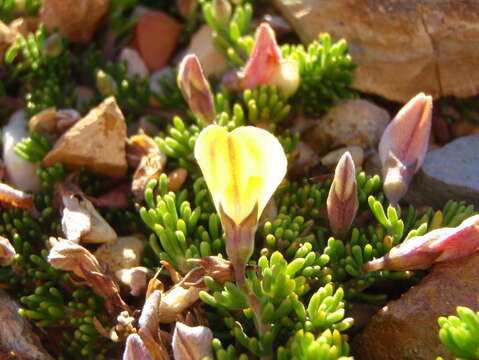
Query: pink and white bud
[[342, 203], [135, 349], [266, 66], [404, 144], [7, 252], [439, 245], [196, 89]]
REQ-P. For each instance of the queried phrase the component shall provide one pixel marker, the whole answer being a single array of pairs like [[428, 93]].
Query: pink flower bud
[[266, 66], [342, 203], [404, 145], [196, 89], [439, 245]]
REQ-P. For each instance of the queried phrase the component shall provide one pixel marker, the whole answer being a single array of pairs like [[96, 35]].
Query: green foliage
[[289, 141], [168, 93], [46, 294], [280, 290], [460, 333], [179, 143], [33, 148], [44, 69], [232, 35], [326, 74], [131, 94], [265, 105], [9, 7], [180, 231], [119, 21], [50, 176], [300, 278], [330, 345]]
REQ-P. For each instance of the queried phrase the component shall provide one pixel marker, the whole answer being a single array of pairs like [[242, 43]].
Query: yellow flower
[[242, 170]]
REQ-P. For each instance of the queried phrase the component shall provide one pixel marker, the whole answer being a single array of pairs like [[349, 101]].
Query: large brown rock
[[402, 47], [75, 19], [96, 142], [407, 328]]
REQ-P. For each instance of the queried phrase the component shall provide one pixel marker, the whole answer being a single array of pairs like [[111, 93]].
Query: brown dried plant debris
[[67, 256], [11, 197], [144, 152]]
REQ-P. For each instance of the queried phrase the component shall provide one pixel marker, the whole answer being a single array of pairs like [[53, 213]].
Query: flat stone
[[75, 19], [123, 253], [350, 123], [157, 35], [134, 62], [21, 174], [402, 47], [448, 173], [16, 334], [96, 142], [212, 61], [407, 328]]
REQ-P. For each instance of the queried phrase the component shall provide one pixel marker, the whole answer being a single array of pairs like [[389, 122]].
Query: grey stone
[[449, 173]]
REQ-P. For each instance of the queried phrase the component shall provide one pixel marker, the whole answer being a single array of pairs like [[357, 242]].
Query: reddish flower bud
[[421, 252], [266, 66], [196, 89], [404, 145], [342, 203]]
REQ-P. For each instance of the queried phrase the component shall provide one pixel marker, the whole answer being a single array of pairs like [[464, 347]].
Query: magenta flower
[[404, 145], [439, 245]]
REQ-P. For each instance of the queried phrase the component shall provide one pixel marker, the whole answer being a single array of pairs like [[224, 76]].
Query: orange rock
[[157, 35], [77, 20], [407, 328], [96, 142]]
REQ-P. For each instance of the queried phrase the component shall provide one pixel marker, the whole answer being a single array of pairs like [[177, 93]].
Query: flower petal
[[342, 203], [264, 60], [404, 144], [242, 168]]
